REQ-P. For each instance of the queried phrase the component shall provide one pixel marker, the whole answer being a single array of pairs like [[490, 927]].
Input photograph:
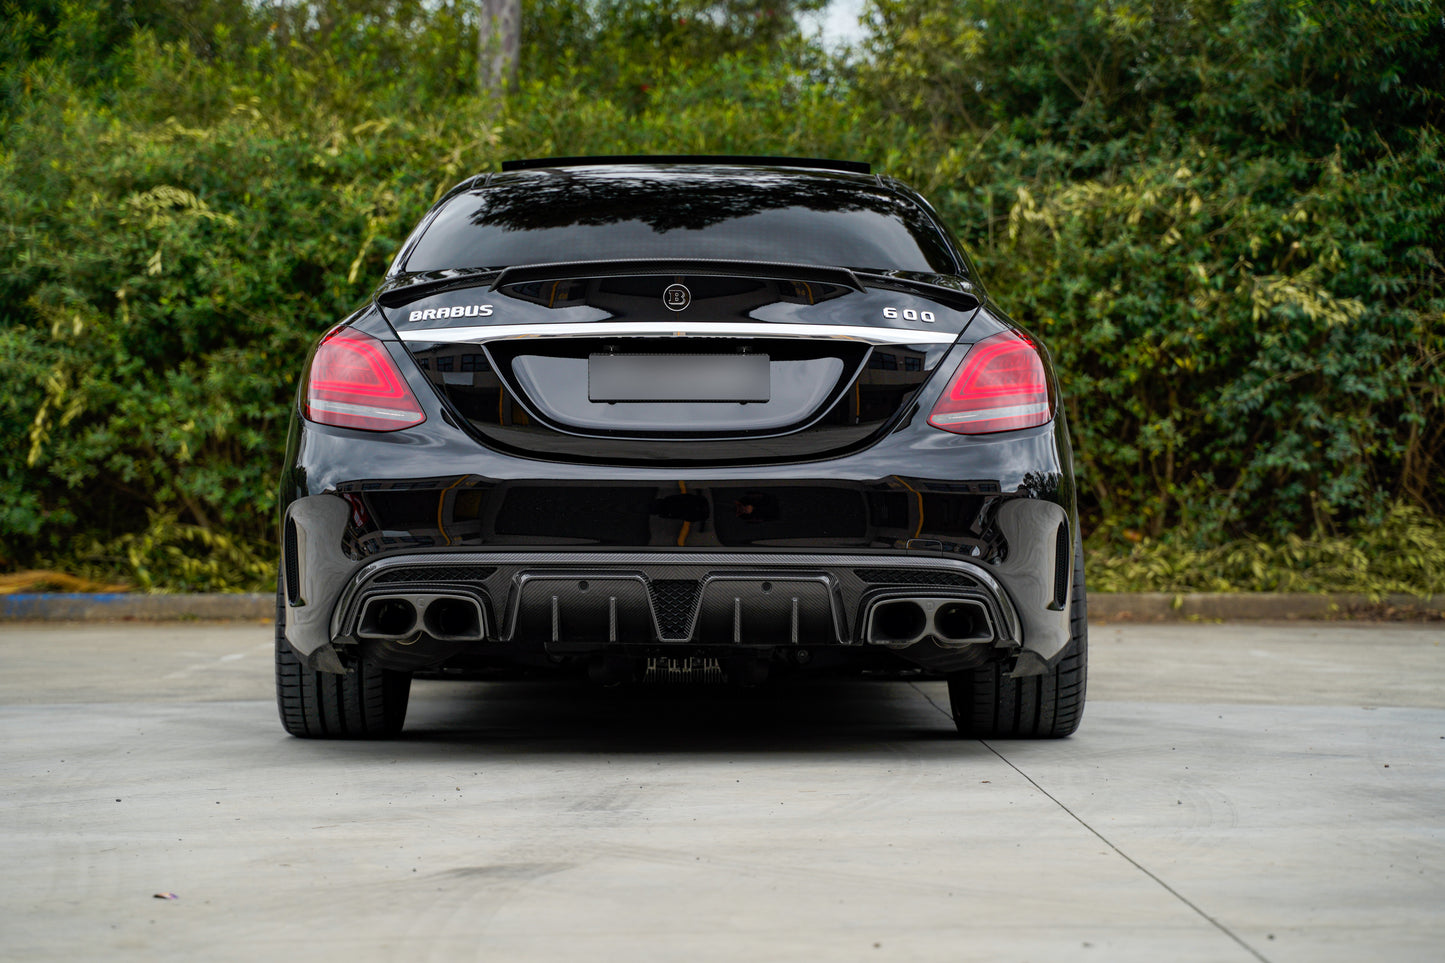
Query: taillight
[[1000, 385], [353, 383]]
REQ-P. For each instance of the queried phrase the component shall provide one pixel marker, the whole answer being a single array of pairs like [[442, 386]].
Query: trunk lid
[[677, 362]]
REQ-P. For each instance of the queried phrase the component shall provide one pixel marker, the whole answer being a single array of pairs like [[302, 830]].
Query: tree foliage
[[1224, 217]]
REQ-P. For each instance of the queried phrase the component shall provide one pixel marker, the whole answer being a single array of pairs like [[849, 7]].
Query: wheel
[[366, 703], [986, 703]]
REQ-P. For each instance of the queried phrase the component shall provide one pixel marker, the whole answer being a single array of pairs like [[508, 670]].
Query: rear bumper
[[779, 555], [920, 605]]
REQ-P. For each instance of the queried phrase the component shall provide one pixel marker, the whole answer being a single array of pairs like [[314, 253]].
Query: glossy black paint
[[1034, 462], [863, 476], [525, 217], [496, 391], [905, 488]]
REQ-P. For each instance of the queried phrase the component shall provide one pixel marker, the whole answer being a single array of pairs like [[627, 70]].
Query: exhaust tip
[[896, 622], [458, 619], [901, 622], [962, 622], [388, 618], [446, 618]]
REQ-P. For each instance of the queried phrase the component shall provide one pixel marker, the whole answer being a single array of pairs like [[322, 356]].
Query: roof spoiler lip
[[702, 267], [722, 160], [405, 288], [935, 286]]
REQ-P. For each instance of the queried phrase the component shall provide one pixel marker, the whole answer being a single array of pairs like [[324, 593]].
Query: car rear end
[[675, 422]]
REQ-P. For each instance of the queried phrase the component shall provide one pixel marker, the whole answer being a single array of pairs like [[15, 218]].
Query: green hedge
[[1228, 235]]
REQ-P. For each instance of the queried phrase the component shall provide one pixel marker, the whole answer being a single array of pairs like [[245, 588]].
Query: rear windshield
[[540, 218]]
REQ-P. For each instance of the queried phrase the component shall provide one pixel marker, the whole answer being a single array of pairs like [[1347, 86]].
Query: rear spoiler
[[407, 288], [748, 160], [699, 267]]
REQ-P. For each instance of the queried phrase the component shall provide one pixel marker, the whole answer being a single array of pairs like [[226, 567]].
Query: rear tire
[[366, 703], [986, 703]]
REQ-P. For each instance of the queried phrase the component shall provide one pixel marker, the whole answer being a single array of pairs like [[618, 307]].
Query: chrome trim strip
[[480, 334]]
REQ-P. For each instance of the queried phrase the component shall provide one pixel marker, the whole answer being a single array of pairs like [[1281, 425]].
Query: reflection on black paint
[[759, 215]]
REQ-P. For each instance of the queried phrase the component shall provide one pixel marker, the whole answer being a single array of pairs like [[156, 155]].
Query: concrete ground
[[1262, 792]]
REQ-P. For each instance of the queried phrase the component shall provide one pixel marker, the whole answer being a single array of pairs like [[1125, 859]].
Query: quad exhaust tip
[[902, 622], [447, 618]]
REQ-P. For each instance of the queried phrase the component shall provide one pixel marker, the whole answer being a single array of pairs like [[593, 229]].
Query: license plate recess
[[718, 378]]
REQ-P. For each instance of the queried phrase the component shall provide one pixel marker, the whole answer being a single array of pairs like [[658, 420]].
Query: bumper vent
[[1061, 567], [912, 576], [293, 563], [437, 573], [673, 601]]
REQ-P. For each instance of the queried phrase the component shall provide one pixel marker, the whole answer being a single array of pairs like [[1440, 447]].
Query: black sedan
[[680, 420]]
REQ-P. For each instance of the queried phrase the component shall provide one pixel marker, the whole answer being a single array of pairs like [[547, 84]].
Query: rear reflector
[[353, 383], [999, 386]]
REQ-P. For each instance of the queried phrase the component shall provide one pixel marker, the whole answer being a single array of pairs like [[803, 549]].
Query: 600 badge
[[908, 314]]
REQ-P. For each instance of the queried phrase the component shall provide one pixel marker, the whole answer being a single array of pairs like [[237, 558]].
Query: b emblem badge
[[676, 297]]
